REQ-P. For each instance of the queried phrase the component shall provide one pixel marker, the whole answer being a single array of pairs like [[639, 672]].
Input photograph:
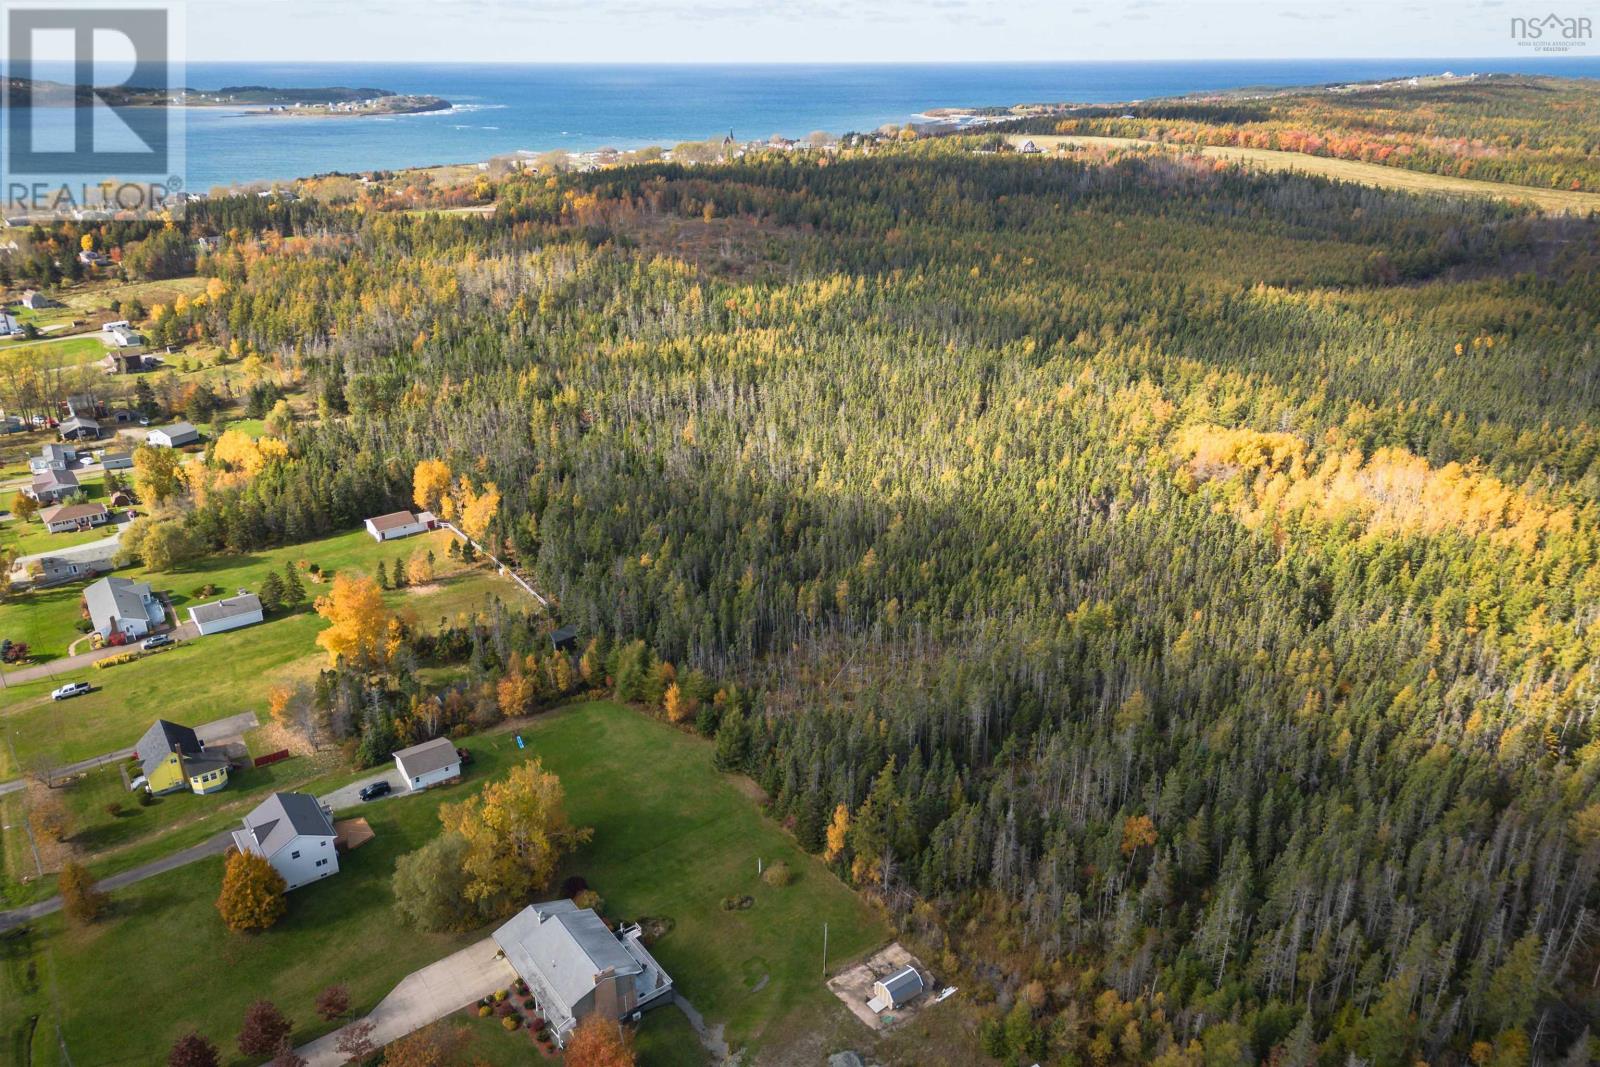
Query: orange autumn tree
[[363, 631], [599, 1042]]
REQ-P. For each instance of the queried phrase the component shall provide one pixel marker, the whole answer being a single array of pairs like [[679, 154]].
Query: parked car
[[156, 641], [376, 790], [71, 689]]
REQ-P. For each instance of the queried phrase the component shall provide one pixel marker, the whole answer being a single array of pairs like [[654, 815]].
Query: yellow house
[[173, 758]]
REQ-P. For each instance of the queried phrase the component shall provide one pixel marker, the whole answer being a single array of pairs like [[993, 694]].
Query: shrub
[[778, 875], [501, 994], [511, 1022], [484, 1010], [114, 808], [590, 899]]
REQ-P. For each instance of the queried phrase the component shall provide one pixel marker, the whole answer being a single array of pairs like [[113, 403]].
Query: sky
[[763, 31]]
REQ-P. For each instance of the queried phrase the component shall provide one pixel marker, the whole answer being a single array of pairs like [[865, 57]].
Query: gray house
[[53, 457], [48, 487], [121, 605], [577, 967]]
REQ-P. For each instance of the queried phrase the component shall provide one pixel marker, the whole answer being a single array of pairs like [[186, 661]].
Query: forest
[[1522, 129], [1169, 590]]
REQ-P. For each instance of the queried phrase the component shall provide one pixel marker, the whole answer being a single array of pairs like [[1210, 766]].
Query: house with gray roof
[[230, 614], [429, 763], [294, 833], [80, 428], [122, 605], [51, 485], [173, 757], [576, 966], [174, 436], [53, 457]]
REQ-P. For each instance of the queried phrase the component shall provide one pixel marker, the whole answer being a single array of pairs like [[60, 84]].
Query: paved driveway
[[424, 996], [349, 796]]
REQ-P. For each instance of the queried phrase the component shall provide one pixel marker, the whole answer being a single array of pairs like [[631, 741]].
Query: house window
[[322, 863], [294, 855]]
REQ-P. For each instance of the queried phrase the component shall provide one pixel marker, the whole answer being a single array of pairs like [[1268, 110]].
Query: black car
[[376, 790]]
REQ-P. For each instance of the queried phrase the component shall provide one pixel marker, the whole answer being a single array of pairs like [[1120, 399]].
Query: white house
[[174, 436], [429, 763], [398, 524], [229, 614], [69, 518], [575, 966], [121, 605], [294, 833]]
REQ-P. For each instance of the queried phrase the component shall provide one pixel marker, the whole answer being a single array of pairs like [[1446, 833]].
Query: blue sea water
[[501, 109]]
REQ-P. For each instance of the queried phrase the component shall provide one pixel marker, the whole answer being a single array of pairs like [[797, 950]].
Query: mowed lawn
[[672, 838], [211, 677], [70, 351]]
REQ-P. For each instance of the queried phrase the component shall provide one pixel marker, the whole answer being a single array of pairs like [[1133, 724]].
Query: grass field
[[31, 538], [214, 676], [1551, 201], [672, 838], [65, 352]]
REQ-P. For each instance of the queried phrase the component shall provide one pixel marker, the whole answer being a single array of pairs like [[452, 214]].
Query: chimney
[[606, 1003]]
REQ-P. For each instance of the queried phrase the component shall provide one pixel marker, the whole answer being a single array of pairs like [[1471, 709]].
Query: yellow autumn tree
[[838, 833], [678, 704], [478, 509], [360, 632], [516, 831], [430, 484]]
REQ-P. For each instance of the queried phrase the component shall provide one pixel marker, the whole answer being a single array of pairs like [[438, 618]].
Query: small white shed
[[428, 764], [397, 524]]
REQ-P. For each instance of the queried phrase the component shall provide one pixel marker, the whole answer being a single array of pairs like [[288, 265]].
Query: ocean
[[501, 109]]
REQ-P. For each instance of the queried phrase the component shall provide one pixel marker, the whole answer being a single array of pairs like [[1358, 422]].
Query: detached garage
[[429, 763], [229, 614], [398, 524]]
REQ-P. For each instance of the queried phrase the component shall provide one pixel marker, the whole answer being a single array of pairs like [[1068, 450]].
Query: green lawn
[[47, 619], [31, 538], [671, 838], [211, 677], [67, 352]]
